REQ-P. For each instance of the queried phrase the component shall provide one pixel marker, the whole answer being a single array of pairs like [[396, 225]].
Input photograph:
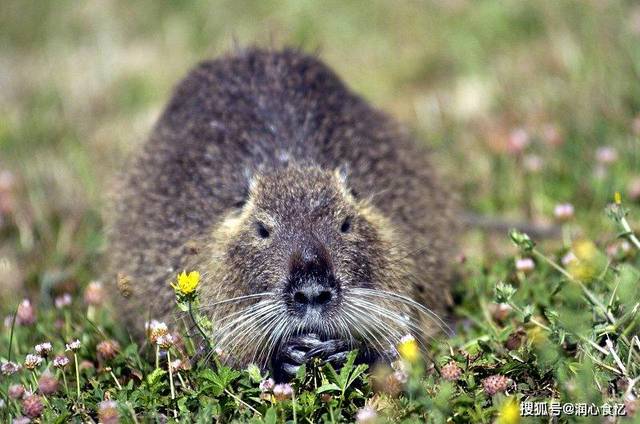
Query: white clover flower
[[282, 391], [518, 141], [533, 163], [165, 341], [32, 361], [63, 300], [568, 258], [10, 368], [60, 361], [74, 346], [43, 349], [563, 211], [94, 294], [176, 365], [366, 415], [606, 155], [267, 385], [525, 265], [156, 329]]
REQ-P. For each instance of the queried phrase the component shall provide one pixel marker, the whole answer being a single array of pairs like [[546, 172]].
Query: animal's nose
[[312, 295], [312, 284]]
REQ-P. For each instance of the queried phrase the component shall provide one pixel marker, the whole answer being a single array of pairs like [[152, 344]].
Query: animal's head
[[305, 255]]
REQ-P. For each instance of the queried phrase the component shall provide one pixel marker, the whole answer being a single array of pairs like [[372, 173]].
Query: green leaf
[[527, 313], [222, 378], [302, 371], [332, 375], [357, 372], [628, 286], [155, 377], [270, 417], [331, 387], [504, 292], [254, 373], [521, 240], [484, 346], [346, 369]]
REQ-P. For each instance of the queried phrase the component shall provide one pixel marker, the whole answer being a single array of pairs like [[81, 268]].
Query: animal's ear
[[246, 186], [342, 173], [252, 181]]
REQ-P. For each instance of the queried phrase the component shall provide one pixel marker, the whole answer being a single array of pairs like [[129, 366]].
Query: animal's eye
[[346, 225], [262, 231]]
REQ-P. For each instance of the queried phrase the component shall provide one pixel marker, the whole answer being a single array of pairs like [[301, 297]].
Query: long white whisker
[[391, 315], [379, 327], [363, 329], [395, 318], [267, 330], [386, 294], [235, 299], [244, 321], [258, 326]]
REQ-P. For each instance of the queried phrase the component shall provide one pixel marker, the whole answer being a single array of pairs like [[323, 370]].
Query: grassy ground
[[537, 102]]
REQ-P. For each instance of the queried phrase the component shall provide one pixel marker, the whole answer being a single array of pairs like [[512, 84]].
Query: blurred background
[[526, 104]]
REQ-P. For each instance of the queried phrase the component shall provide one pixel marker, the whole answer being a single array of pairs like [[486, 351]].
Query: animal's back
[[252, 111]]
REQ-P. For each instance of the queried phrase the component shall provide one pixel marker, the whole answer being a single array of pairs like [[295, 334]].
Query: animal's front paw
[[302, 349], [332, 351], [292, 355]]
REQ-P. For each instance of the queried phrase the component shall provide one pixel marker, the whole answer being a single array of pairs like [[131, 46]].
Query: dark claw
[[337, 359], [326, 349], [306, 342], [290, 356], [293, 355], [290, 369], [304, 348]]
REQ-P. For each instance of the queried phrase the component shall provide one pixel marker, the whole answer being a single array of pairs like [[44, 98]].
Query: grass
[[537, 102]]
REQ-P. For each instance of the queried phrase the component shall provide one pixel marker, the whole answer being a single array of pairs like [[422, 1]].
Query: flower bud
[[32, 406], [495, 384]]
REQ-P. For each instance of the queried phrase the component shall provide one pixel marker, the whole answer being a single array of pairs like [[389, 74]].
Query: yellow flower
[[408, 349], [585, 250], [590, 262], [509, 412], [537, 336], [187, 283], [617, 198]]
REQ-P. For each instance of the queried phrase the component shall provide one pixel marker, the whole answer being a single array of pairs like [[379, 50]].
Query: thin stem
[[157, 356], [35, 380], [67, 323], [585, 290], [566, 235], [197, 324], [13, 324], [173, 392], [75, 359], [532, 319], [91, 313], [184, 384], [236, 398], [115, 379], [132, 412], [293, 405], [592, 298], [628, 232], [66, 386]]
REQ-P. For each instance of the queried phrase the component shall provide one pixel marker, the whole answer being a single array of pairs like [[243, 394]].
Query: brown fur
[[274, 138]]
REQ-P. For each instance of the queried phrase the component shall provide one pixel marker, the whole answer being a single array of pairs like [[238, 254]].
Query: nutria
[[314, 211]]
